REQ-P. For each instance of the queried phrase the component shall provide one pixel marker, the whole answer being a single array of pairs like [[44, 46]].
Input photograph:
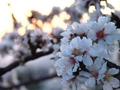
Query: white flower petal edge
[[90, 82]]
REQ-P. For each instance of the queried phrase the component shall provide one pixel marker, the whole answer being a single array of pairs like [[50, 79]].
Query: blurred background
[[46, 15], [21, 13]]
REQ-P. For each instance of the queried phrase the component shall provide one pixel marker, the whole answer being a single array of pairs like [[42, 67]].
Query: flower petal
[[109, 28], [90, 82], [113, 71], [101, 21], [103, 69], [92, 35], [114, 82], [87, 60], [107, 86], [85, 74], [101, 44], [79, 58], [74, 87], [98, 63], [109, 39]]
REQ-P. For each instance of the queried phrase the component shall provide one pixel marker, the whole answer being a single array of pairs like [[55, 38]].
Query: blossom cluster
[[7, 42], [30, 42], [21, 46], [81, 57]]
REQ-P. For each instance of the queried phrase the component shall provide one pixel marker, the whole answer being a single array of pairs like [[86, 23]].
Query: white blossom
[[104, 32], [109, 80]]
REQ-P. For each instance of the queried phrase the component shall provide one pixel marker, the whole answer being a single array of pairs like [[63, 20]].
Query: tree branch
[[29, 82], [26, 59]]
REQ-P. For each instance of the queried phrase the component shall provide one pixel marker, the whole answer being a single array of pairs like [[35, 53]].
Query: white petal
[[75, 42], [64, 40], [79, 58], [85, 43], [85, 74], [109, 39], [103, 69], [98, 63], [115, 82], [67, 77], [85, 27], [92, 35], [90, 82], [115, 36], [76, 25], [107, 86], [94, 27], [74, 87], [93, 51], [75, 67], [102, 20], [109, 28], [100, 77], [66, 50], [69, 28], [101, 44], [79, 31], [87, 60], [113, 71], [78, 83]]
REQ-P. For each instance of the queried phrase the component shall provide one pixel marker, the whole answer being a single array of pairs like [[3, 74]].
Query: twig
[[29, 82], [28, 58]]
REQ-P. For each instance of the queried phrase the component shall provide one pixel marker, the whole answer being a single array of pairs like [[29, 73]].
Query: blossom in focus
[[83, 48], [110, 81], [104, 32]]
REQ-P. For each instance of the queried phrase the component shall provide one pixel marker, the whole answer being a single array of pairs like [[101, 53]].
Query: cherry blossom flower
[[109, 81], [104, 32], [65, 65], [94, 76], [73, 82], [83, 48]]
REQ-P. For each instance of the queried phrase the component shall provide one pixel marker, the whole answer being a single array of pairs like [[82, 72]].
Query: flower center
[[72, 60], [100, 34], [108, 76], [95, 73], [72, 36], [76, 51]]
